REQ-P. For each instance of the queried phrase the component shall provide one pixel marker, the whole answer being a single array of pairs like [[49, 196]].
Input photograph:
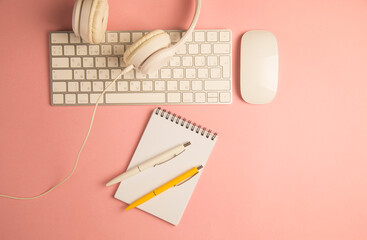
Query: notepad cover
[[165, 131]]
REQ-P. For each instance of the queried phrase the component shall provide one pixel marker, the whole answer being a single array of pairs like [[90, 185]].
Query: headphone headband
[[82, 9], [192, 25]]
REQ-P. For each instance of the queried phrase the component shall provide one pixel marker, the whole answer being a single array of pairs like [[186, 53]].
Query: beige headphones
[[147, 54]]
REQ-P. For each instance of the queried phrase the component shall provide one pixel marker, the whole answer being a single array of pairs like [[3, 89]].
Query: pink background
[[292, 169]]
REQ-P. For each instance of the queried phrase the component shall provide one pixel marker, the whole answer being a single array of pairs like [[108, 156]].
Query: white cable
[[124, 71]]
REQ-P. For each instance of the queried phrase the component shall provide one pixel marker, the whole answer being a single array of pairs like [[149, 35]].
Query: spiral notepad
[[164, 131]]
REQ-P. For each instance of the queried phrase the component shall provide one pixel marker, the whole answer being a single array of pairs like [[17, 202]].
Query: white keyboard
[[200, 72]]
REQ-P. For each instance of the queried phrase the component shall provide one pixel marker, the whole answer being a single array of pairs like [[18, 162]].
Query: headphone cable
[[124, 71]]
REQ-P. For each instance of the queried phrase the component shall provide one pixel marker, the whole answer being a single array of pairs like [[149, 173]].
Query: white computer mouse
[[259, 67]]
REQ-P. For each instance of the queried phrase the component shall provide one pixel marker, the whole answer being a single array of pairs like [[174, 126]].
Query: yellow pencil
[[165, 187]]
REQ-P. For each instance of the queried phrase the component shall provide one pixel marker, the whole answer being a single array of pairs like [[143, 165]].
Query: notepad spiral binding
[[186, 123]]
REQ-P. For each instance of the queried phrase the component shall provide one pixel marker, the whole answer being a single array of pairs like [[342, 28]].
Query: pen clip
[[169, 158], [180, 183]]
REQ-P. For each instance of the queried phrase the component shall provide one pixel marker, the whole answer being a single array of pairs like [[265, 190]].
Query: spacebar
[[135, 97]]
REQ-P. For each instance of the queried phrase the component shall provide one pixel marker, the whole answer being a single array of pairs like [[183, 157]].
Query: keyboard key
[[147, 85], [190, 73], [135, 86], [93, 50], [225, 63], [175, 36], [73, 86], [212, 61], [175, 61], [199, 61], [88, 62], [212, 36], [62, 74], [221, 48], [193, 48], [225, 97], [100, 62], [136, 36], [112, 37], [217, 85], [159, 85], [199, 36], [98, 86], [203, 73], [113, 61], [212, 100], [139, 75], [106, 50], [224, 36], [81, 50], [115, 73], [122, 86], [69, 50], [135, 98], [165, 73], [92, 74], [59, 87], [189, 38], [76, 62], [129, 75], [173, 97], [104, 74], [83, 98], [181, 50], [124, 37], [74, 38], [56, 50], [184, 85], [200, 97], [79, 74], [85, 86], [110, 87], [59, 38], [171, 85], [205, 48], [178, 73], [94, 97], [215, 73], [187, 61], [197, 85], [57, 99], [70, 98], [187, 97], [60, 62], [118, 49]]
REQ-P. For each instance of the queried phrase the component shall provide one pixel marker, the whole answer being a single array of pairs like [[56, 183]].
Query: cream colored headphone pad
[[97, 21], [84, 19], [140, 50], [76, 17]]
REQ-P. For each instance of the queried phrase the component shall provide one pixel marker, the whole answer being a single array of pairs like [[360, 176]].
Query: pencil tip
[[108, 184], [187, 144]]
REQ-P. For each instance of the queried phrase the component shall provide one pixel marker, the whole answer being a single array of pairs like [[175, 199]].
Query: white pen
[[159, 159]]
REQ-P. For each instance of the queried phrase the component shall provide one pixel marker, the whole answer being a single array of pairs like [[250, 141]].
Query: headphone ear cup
[[157, 60], [76, 17], [98, 21], [85, 10], [144, 47]]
